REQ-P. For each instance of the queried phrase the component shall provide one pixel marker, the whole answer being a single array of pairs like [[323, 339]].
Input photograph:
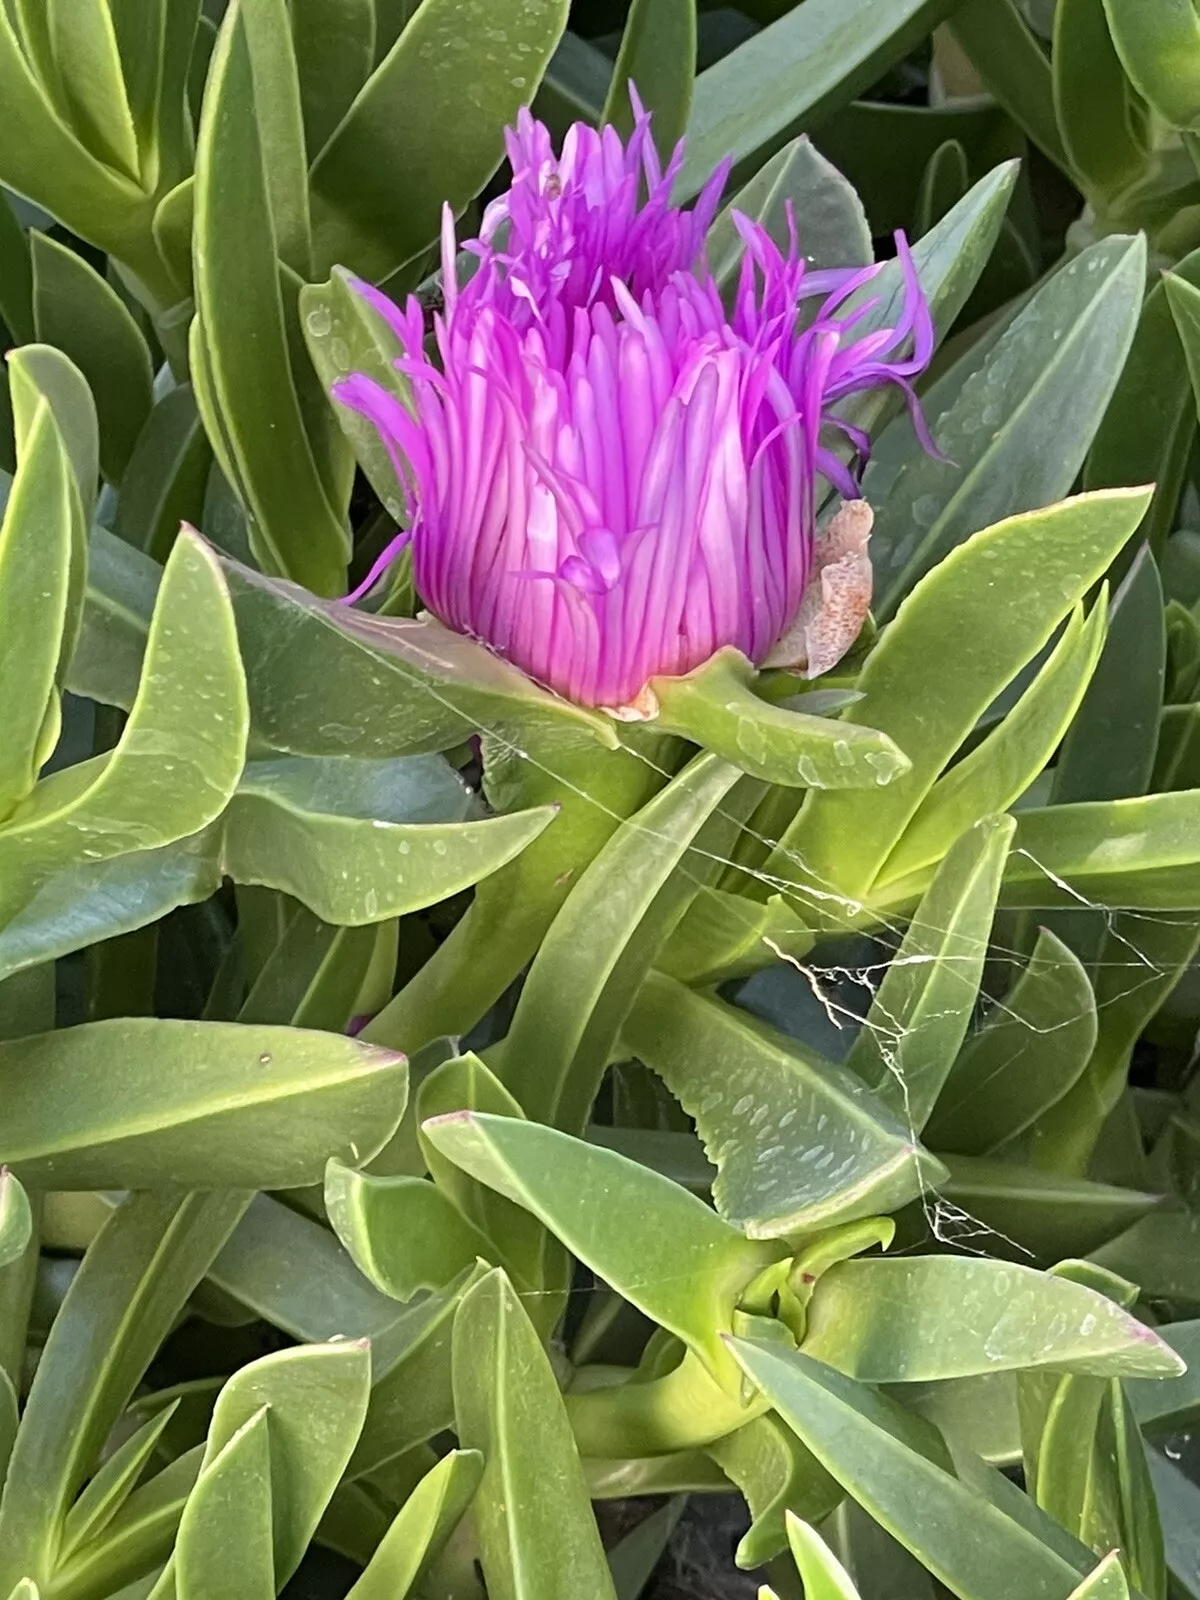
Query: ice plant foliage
[[609, 475]]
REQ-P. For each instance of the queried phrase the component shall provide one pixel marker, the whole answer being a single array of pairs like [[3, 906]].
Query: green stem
[[685, 1410]]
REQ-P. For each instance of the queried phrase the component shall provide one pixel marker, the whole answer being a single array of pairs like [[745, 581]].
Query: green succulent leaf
[[1048, 559], [200, 1103], [421, 1528], [1033, 1047], [922, 1009], [76, 310], [866, 1443], [799, 1143], [658, 57], [412, 142], [659, 1246], [1018, 416], [537, 1536], [835, 228], [921, 1318], [791, 73]]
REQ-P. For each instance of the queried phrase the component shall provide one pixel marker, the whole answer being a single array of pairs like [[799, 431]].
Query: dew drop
[[319, 321]]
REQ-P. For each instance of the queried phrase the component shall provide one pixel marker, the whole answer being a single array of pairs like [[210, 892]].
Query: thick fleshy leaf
[[929, 1317], [824, 1576], [799, 1143], [949, 260], [411, 141], [537, 1537], [600, 945], [715, 706], [224, 1545], [83, 47], [1120, 709], [200, 1104], [1016, 430], [122, 585], [967, 629], [793, 72], [865, 1442], [421, 1528], [1001, 768], [833, 228], [111, 1486], [659, 1246], [1159, 53], [1091, 99], [377, 686], [345, 333], [776, 1475], [334, 54], [76, 310], [315, 1398], [404, 1234], [335, 834], [920, 1014], [164, 482], [1150, 423], [241, 366], [1165, 1407], [16, 1219], [723, 935], [1007, 56], [657, 56], [133, 1283], [1107, 1582], [35, 578], [1051, 1215], [1033, 1046], [1142, 853]]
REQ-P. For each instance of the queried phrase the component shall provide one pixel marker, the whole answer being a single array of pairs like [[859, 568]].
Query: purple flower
[[608, 475]]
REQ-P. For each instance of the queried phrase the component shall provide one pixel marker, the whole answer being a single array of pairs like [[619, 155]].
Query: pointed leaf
[[824, 1576], [224, 1541], [122, 1303], [600, 945], [404, 1234], [917, 1500], [1107, 1582], [537, 1537], [1031, 1049], [177, 760], [791, 73], [922, 1009], [35, 576], [244, 382], [16, 1219], [715, 706], [798, 1142], [658, 57], [921, 1318], [1005, 590], [1015, 434], [659, 1246], [109, 1489], [1000, 769], [834, 227], [75, 309], [422, 1526], [315, 1399], [411, 119], [324, 832], [208, 1103]]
